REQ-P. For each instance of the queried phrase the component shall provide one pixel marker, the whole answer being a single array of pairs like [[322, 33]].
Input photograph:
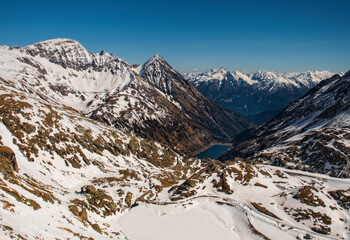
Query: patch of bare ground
[[262, 209]]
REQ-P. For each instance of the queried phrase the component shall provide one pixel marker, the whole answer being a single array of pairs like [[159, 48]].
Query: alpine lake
[[213, 152]]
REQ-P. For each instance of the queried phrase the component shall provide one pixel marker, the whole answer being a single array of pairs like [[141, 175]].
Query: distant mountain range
[[260, 95], [130, 97], [312, 133]]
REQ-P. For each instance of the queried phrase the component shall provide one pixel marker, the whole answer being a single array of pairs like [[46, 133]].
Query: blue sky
[[247, 35]]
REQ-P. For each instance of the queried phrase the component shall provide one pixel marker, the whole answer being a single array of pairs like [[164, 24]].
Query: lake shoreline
[[209, 146]]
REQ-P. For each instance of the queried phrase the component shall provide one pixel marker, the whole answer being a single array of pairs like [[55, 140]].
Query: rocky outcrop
[[8, 163]]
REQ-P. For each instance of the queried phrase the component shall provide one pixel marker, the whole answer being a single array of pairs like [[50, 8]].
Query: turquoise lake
[[213, 152]]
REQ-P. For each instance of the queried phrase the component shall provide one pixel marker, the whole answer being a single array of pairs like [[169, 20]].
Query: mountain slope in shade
[[312, 133], [109, 89], [263, 92]]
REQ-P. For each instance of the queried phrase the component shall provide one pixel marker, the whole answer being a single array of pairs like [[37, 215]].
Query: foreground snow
[[198, 219]]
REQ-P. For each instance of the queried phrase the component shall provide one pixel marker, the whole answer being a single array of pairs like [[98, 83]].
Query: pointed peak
[[104, 53], [157, 58], [157, 61], [160, 74]]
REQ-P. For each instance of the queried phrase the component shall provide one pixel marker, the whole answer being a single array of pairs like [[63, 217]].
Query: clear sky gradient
[[241, 35]]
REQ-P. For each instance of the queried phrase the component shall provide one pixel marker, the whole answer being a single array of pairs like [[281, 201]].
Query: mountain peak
[[57, 41], [57, 44], [63, 51], [103, 53], [156, 63], [157, 71], [155, 58]]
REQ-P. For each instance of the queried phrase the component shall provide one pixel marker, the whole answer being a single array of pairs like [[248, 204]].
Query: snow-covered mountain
[[109, 89], [64, 175], [261, 94], [63, 71], [312, 133]]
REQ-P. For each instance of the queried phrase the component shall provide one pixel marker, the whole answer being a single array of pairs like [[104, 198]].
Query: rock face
[[71, 54], [8, 163], [259, 95], [312, 133], [157, 103]]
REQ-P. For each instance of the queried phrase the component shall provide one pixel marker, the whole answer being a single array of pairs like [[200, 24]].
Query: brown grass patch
[[264, 210]]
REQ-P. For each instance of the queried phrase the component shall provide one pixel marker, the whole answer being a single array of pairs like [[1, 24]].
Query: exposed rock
[[342, 196], [84, 215], [8, 163], [97, 200], [307, 195]]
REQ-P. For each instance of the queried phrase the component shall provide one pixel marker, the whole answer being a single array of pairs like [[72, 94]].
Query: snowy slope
[[68, 79]]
